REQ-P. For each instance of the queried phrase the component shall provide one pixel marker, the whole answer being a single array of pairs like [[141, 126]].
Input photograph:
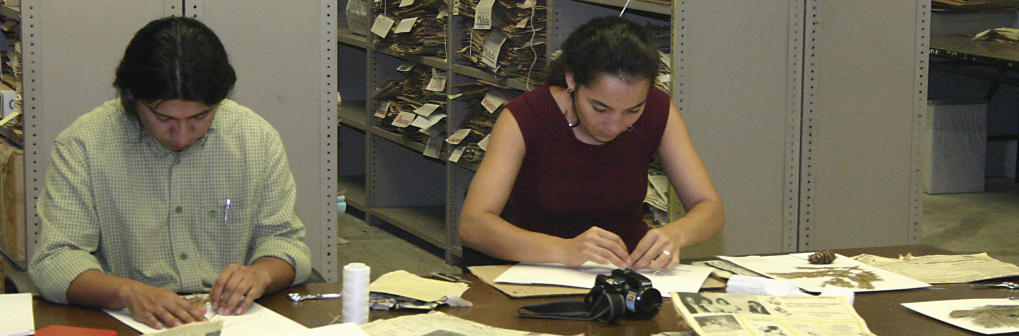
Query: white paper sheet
[[683, 279], [16, 310], [257, 320], [940, 310], [771, 266]]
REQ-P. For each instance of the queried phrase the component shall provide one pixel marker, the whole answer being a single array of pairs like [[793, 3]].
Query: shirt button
[[179, 209], [183, 256]]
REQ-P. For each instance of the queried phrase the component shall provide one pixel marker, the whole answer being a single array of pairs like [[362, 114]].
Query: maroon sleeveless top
[[566, 186]]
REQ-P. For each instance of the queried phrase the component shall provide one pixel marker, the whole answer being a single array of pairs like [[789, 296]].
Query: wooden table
[[882, 311]]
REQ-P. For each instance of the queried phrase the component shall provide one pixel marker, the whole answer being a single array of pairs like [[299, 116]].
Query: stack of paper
[[415, 106], [483, 101], [17, 312], [418, 26], [507, 37], [1003, 35]]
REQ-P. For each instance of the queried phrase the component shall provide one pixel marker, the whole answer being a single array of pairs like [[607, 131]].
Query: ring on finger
[[667, 254]]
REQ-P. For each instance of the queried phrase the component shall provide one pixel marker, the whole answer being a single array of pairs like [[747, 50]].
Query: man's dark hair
[[606, 45], [174, 58]]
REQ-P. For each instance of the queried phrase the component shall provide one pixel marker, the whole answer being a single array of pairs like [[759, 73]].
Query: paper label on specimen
[[383, 109], [483, 15], [458, 136], [382, 25], [484, 142], [438, 82], [442, 13], [405, 25], [493, 44], [426, 109], [455, 156], [405, 67], [406, 3], [492, 101], [433, 147], [404, 119]]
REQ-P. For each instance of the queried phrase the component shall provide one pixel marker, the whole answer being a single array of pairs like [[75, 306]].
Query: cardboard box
[[12, 202], [956, 141]]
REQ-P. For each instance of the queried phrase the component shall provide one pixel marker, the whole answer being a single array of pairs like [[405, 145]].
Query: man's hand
[[237, 288], [597, 245], [159, 307]]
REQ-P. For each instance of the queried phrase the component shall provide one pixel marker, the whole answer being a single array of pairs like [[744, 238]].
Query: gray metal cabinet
[[285, 57], [807, 114]]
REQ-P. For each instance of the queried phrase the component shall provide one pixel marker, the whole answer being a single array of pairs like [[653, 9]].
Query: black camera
[[629, 288]]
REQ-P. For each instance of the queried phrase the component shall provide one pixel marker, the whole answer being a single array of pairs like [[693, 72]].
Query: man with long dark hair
[[172, 188]]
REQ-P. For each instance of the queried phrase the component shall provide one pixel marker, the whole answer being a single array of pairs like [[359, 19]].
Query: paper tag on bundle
[[404, 119], [456, 95], [492, 45], [528, 4], [383, 110], [438, 82], [433, 147], [665, 58], [382, 25], [455, 156], [405, 25], [484, 142], [458, 136], [406, 3], [664, 78], [405, 67], [456, 7], [522, 23], [426, 109], [427, 122], [483, 15], [442, 13], [492, 101]]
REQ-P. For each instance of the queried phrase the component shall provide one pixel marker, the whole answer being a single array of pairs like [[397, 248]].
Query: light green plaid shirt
[[118, 201]]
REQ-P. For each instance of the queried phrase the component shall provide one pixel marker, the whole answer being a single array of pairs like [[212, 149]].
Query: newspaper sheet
[[720, 314], [942, 269]]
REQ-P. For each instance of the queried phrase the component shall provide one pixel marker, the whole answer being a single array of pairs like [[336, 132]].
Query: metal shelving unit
[[756, 118]]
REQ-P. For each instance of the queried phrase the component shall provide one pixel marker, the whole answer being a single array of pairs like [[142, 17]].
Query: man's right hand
[[159, 307], [154, 306]]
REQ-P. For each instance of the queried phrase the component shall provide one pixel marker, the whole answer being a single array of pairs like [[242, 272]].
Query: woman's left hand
[[656, 251]]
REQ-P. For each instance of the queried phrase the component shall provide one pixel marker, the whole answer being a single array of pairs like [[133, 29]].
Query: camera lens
[[645, 303]]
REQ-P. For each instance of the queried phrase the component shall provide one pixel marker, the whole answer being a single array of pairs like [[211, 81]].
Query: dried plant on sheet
[[991, 316], [846, 277]]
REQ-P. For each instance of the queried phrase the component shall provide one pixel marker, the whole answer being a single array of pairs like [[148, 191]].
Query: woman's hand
[[597, 245], [656, 251]]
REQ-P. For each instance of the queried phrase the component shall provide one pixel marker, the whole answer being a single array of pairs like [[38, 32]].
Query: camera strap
[[607, 308]]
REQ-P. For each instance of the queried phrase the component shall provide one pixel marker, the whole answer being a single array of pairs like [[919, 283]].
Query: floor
[[964, 223]]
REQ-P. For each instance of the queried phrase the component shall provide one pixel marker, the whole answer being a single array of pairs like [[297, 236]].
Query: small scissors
[[1008, 285]]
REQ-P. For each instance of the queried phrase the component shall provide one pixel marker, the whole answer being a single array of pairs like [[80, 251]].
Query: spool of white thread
[[355, 292]]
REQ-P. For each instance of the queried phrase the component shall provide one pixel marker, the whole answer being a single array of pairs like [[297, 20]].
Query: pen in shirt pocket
[[226, 211]]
